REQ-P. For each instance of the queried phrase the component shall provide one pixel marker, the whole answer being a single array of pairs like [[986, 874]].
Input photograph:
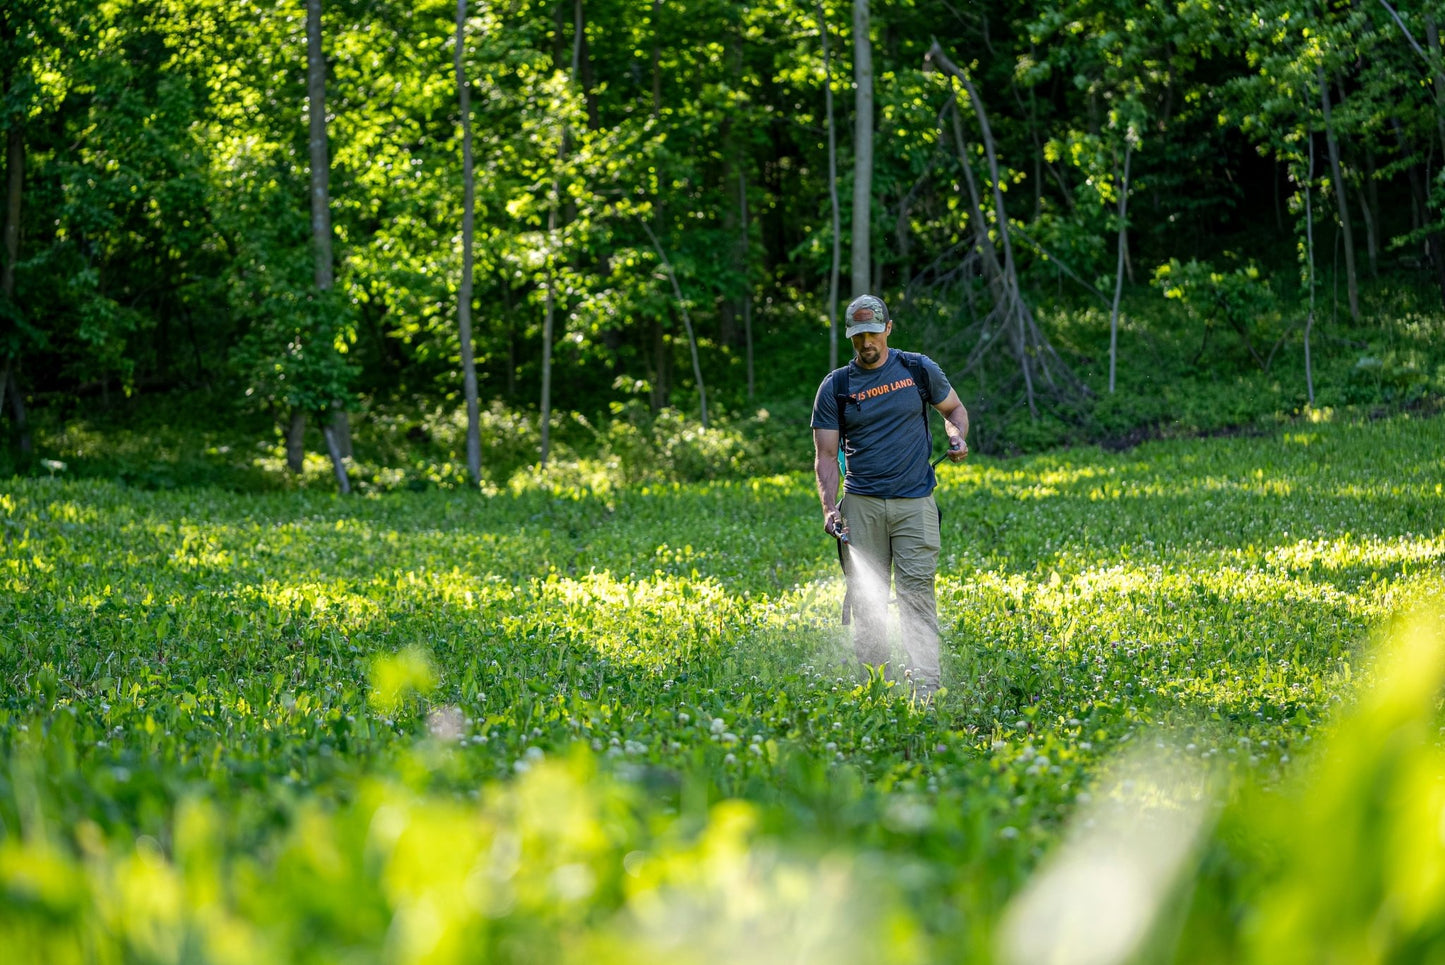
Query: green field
[[618, 725]]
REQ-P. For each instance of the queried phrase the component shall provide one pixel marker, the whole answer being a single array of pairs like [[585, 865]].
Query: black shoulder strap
[[838, 384], [921, 379]]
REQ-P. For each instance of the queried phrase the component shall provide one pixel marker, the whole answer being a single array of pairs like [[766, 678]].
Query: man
[[887, 517]]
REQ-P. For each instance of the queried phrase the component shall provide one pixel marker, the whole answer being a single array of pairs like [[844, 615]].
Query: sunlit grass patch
[[662, 621], [1347, 553]]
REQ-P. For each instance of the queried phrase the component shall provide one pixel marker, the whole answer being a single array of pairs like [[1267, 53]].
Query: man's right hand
[[833, 525]]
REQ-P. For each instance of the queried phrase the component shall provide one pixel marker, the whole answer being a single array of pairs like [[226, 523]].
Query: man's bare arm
[[955, 423], [825, 468]]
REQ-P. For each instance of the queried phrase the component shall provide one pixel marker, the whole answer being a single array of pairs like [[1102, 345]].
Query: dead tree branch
[[1039, 365]]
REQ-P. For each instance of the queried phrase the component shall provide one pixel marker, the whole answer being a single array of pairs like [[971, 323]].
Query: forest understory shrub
[[1164, 388]]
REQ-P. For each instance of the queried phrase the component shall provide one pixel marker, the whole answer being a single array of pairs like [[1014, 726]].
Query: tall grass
[[617, 723]]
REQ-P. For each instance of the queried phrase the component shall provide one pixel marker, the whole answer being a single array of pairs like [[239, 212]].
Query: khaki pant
[[897, 541]]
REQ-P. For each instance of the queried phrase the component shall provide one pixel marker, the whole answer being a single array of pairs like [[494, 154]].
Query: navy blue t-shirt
[[887, 447]]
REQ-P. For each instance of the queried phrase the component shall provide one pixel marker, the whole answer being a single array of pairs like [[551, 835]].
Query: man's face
[[872, 347]]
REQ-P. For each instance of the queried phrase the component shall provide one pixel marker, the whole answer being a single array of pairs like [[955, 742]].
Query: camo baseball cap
[[866, 313]]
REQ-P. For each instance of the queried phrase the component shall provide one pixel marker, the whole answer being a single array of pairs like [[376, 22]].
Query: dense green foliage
[[612, 724], [162, 234]]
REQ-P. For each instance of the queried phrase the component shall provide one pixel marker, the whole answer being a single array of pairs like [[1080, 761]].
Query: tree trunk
[[661, 367], [727, 308], [464, 293], [1432, 38], [734, 219], [338, 461], [1119, 270], [320, 161], [1310, 254], [1437, 238], [903, 227], [582, 69], [18, 415], [656, 60], [1032, 114], [726, 305], [686, 321], [835, 266], [1370, 198], [1372, 243], [557, 216], [14, 188], [1419, 211], [510, 316], [747, 284], [341, 427], [548, 320], [296, 441], [1342, 201], [324, 271], [862, 150]]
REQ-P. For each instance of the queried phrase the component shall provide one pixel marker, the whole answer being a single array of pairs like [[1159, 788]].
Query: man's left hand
[[957, 451]]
